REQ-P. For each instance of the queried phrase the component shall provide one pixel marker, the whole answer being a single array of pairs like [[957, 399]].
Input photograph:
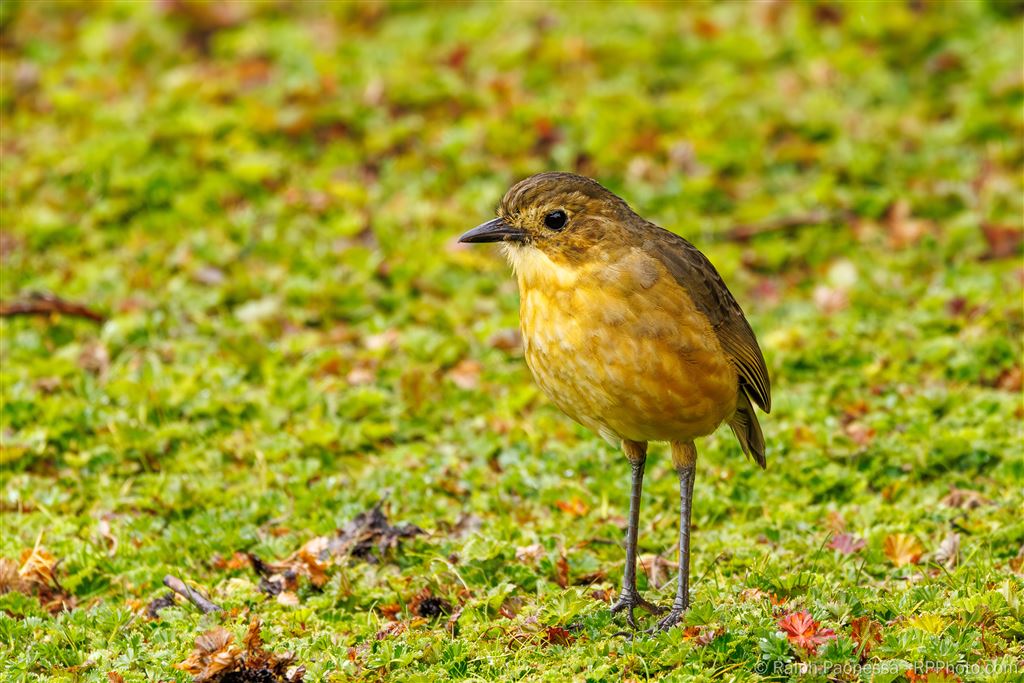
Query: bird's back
[[693, 271]]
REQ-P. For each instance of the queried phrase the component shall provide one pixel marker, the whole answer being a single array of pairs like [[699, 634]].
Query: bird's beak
[[495, 230]]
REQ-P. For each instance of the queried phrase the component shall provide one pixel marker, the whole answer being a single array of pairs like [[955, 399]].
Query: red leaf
[[1002, 240], [803, 631], [865, 633], [556, 635], [846, 543]]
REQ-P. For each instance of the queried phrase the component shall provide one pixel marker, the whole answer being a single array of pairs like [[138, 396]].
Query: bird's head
[[562, 215]]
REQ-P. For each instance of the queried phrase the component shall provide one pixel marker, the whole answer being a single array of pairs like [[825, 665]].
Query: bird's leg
[[629, 597], [684, 457]]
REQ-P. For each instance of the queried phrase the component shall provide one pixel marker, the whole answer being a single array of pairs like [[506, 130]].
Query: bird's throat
[[534, 268]]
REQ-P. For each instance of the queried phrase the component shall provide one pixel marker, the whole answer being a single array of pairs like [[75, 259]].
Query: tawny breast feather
[[620, 347]]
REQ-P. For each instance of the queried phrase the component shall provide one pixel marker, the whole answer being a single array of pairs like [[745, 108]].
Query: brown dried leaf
[[1003, 241], [865, 633], [860, 433], [94, 358], [212, 656], [510, 340], [904, 230], [466, 374], [35, 574], [1017, 563], [965, 499], [10, 580], [529, 554], [369, 531], [657, 569], [428, 606], [948, 552], [562, 571], [215, 659]]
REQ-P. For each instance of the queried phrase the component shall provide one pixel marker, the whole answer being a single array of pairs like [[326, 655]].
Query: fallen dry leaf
[[1017, 563], [964, 499], [529, 554], [1003, 241], [216, 659], [657, 569], [510, 340], [367, 532], [866, 633], [702, 635], [830, 299], [35, 574], [846, 543], [860, 433], [95, 359], [948, 552], [573, 506], [1011, 380], [803, 631], [428, 606], [37, 566], [556, 635], [902, 549], [361, 374], [466, 374], [903, 229], [562, 571]]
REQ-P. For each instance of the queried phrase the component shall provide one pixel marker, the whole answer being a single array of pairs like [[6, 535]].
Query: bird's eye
[[556, 219]]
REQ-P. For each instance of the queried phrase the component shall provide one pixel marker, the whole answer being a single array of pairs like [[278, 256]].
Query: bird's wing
[[694, 271]]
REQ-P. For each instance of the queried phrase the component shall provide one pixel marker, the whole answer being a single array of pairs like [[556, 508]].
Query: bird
[[631, 332]]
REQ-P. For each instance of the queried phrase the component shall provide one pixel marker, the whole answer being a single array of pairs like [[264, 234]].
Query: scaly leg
[[629, 597], [684, 457]]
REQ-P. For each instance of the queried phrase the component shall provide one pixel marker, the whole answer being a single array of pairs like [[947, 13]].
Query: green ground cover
[[263, 199]]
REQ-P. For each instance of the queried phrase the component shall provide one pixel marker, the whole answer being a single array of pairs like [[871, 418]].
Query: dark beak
[[496, 230]]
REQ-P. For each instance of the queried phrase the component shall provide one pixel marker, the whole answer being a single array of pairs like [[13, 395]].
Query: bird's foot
[[669, 620], [630, 600]]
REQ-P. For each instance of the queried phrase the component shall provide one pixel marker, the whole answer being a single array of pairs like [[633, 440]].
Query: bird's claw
[[630, 600], [669, 620]]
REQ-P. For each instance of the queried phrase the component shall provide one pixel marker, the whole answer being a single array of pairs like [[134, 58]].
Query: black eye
[[556, 219]]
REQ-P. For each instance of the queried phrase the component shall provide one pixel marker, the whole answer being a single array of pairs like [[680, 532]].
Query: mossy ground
[[264, 199]]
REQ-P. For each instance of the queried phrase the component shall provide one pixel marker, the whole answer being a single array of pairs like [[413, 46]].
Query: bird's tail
[[747, 430]]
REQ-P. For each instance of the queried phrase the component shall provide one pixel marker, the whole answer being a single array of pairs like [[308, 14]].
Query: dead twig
[[48, 304], [743, 232], [179, 587]]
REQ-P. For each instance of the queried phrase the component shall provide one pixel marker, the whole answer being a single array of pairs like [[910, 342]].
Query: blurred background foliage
[[262, 199]]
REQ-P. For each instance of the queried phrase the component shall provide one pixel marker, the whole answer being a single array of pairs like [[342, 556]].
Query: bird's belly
[[644, 366]]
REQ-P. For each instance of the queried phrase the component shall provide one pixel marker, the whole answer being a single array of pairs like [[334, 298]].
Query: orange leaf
[[865, 633], [902, 549], [803, 631], [574, 507]]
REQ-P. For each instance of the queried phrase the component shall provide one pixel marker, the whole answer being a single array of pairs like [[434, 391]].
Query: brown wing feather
[[694, 271]]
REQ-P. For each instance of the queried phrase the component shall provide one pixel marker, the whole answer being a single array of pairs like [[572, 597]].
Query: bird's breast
[[619, 346]]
